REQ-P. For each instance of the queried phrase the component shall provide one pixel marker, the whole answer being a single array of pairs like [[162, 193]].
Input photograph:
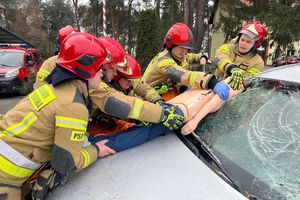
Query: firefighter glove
[[48, 180], [162, 88], [171, 119], [236, 78], [147, 123], [222, 89]]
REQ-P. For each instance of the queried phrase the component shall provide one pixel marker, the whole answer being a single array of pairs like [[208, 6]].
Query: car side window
[[36, 58], [29, 59]]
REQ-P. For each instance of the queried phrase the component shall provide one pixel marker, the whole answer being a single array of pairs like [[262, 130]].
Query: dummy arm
[[211, 106]]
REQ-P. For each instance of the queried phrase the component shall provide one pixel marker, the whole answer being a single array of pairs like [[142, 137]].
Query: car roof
[[160, 169], [285, 73]]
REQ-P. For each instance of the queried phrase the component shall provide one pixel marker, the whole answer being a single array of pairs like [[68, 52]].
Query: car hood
[[4, 70]]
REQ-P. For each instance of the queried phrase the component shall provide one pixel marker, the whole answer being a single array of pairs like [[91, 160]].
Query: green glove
[[236, 78], [171, 119], [162, 88]]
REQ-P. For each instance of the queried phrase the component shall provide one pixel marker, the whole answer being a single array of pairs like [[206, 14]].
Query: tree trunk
[[129, 43], [75, 3], [157, 9], [200, 27]]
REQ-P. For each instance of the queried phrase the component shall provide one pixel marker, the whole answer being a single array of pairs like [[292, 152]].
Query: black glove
[[236, 78], [171, 119], [48, 180]]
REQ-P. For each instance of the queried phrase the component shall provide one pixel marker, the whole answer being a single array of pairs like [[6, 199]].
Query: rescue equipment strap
[[73, 123], [20, 127], [17, 158]]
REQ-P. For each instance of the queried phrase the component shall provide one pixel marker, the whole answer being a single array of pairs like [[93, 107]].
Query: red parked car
[[286, 61], [17, 63]]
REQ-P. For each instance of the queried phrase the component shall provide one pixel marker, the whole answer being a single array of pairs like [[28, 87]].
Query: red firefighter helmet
[[255, 30], [179, 35], [114, 48], [64, 32], [130, 68], [82, 54]]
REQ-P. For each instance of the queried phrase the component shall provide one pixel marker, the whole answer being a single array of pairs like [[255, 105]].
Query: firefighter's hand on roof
[[104, 150]]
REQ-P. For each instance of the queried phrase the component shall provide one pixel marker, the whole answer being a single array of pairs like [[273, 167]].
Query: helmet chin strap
[[89, 103]]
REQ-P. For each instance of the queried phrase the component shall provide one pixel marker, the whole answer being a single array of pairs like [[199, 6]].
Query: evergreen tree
[[57, 14], [148, 37]]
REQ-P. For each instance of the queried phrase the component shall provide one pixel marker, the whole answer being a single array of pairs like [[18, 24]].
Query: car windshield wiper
[[1, 64], [215, 159]]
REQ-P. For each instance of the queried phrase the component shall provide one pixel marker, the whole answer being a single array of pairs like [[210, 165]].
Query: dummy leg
[[211, 106]]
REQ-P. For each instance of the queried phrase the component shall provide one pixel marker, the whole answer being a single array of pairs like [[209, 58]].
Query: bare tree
[[200, 26], [129, 43], [75, 3], [157, 9]]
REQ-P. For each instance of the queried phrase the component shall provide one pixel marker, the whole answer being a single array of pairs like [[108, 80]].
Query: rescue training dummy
[[192, 105], [239, 58], [170, 67], [49, 125]]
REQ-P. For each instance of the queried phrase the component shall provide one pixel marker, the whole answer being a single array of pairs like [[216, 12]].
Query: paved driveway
[[8, 101]]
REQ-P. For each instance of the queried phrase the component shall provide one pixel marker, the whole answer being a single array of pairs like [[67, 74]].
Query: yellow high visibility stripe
[[73, 123], [86, 156], [253, 71], [20, 127], [43, 72], [138, 105], [41, 97], [104, 85], [14, 170], [193, 78], [223, 64]]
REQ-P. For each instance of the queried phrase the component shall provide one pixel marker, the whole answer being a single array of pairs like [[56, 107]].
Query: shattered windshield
[[11, 59], [256, 137]]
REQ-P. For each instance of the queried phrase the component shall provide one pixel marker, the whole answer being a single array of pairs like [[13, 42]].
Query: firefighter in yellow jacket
[[126, 81], [239, 58], [169, 67], [49, 64], [50, 123]]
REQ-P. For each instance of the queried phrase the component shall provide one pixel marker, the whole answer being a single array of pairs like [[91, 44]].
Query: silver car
[[249, 149]]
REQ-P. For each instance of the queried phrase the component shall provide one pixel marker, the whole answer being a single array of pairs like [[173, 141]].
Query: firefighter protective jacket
[[141, 89], [117, 104], [228, 54], [164, 68], [46, 68], [49, 124]]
